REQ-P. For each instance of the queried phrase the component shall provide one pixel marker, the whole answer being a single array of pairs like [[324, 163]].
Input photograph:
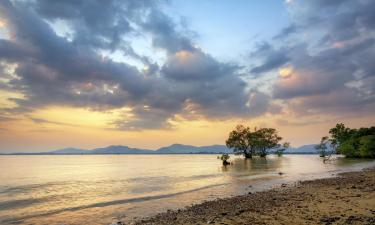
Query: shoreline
[[348, 198]]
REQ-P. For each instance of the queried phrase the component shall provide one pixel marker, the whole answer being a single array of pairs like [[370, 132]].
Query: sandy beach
[[346, 199]]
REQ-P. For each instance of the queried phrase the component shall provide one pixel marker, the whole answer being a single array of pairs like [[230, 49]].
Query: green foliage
[[353, 143], [367, 146], [241, 141], [267, 138], [349, 148], [339, 134], [249, 143]]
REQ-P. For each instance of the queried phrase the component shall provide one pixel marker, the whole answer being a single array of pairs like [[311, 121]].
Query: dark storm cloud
[[68, 70], [332, 69], [11, 51]]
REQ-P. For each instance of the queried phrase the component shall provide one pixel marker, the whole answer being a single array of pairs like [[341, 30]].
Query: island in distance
[[172, 149]]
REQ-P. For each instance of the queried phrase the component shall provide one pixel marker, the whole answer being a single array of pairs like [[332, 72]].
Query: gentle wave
[[14, 204], [24, 189], [109, 203]]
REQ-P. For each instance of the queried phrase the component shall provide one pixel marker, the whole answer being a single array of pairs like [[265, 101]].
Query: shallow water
[[100, 189]]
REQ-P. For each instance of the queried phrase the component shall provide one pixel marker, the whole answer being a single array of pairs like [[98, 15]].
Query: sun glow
[[183, 55], [2, 23], [77, 117], [5, 97], [286, 72]]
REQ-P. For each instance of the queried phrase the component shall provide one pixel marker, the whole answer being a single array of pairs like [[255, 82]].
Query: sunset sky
[[148, 73]]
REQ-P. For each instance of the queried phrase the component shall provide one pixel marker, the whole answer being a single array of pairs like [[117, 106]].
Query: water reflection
[[72, 189], [255, 165]]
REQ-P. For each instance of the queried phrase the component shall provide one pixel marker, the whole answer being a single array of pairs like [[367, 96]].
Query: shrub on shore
[[353, 143]]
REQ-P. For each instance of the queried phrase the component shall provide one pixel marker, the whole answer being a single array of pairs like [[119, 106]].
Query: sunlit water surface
[[101, 189]]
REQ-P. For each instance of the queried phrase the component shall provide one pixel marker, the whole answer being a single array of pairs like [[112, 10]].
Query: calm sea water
[[101, 189]]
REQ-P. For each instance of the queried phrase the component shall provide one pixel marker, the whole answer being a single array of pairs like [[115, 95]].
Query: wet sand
[[346, 199]]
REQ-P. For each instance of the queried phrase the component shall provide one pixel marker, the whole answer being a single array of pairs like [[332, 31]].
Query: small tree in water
[[322, 147], [280, 151], [249, 143], [225, 157], [242, 141], [266, 138]]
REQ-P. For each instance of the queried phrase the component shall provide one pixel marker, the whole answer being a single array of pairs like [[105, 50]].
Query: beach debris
[[118, 223], [281, 173], [352, 219], [329, 220], [224, 213]]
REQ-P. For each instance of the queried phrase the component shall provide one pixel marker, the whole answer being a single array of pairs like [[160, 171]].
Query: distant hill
[[69, 151], [178, 148], [305, 149], [172, 149], [119, 149]]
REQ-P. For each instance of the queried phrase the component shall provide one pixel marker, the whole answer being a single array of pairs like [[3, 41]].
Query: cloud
[[287, 31], [44, 121], [271, 58], [6, 118], [145, 118], [95, 23], [165, 35], [87, 54], [329, 46], [58, 45], [195, 66]]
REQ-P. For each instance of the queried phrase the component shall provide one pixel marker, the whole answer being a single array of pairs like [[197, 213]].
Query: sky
[[146, 74]]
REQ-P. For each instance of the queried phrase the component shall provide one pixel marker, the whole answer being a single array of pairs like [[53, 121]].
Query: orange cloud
[[2, 23]]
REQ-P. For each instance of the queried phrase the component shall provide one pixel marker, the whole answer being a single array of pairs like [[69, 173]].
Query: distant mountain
[[305, 149], [172, 149], [69, 151], [119, 149], [178, 148]]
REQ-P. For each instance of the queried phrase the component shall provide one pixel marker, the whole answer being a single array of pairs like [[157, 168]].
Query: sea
[[104, 189]]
